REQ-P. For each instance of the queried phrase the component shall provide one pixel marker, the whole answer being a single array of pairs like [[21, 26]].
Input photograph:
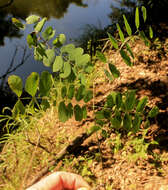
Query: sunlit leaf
[[137, 18], [127, 26], [16, 85], [18, 108], [32, 19], [120, 33], [48, 60], [58, 64], [18, 24], [127, 122], [39, 26], [130, 100], [93, 129], [144, 13], [113, 41], [66, 70], [141, 104], [32, 82], [32, 39], [49, 33], [150, 32]]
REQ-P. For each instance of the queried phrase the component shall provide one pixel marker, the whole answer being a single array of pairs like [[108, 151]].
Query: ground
[[96, 159]]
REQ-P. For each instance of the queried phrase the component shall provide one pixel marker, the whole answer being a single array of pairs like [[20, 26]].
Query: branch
[[69, 149]]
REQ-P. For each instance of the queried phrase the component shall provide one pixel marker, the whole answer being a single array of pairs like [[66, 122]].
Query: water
[[67, 16]]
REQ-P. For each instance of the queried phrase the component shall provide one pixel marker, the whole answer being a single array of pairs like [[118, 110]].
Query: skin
[[60, 181]]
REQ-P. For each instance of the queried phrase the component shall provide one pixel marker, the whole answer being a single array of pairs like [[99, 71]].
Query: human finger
[[60, 181]]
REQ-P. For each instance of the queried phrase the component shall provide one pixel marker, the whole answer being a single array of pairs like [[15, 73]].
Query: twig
[[69, 149]]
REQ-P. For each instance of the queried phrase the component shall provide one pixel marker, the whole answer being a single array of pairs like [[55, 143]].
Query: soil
[[106, 170]]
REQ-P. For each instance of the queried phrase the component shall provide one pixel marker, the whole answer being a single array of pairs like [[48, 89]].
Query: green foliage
[[15, 83], [125, 112], [66, 62]]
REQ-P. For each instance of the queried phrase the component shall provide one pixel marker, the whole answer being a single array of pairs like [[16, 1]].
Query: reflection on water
[[51, 8], [67, 16]]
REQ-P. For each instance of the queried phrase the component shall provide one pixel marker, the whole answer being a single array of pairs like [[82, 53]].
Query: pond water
[[67, 16]]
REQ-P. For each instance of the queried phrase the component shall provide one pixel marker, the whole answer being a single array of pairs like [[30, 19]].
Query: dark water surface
[[67, 16]]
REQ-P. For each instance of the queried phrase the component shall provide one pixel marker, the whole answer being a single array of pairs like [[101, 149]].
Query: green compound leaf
[[153, 112], [18, 24], [48, 60], [144, 13], [137, 18], [32, 82], [125, 57], [101, 56], [108, 75], [141, 104], [49, 33], [16, 85], [18, 108], [32, 19], [63, 92], [78, 113], [120, 33], [37, 55], [58, 64], [114, 71], [45, 83], [127, 26], [130, 100], [113, 41], [150, 32], [32, 39], [88, 96], [66, 70], [80, 93], [127, 122], [144, 38], [136, 123], [39, 25], [71, 91], [63, 114]]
